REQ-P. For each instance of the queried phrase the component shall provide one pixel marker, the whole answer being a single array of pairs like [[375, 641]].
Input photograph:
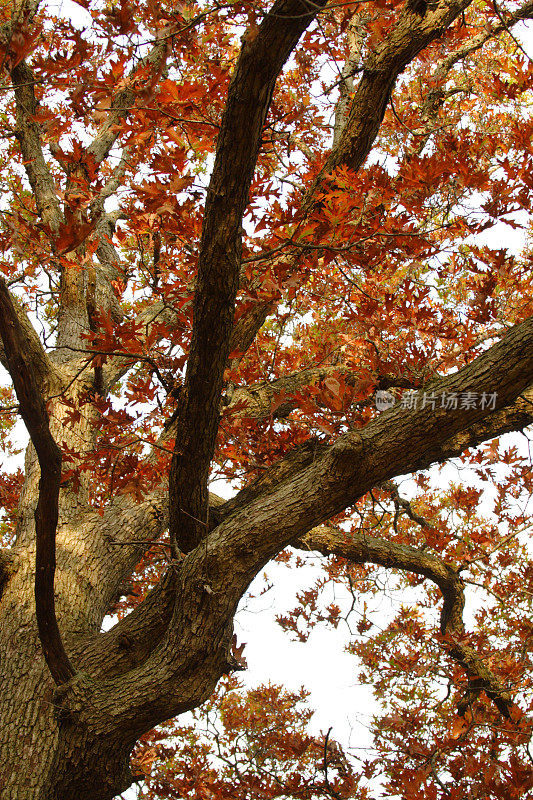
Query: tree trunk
[[40, 752], [47, 750], [72, 741]]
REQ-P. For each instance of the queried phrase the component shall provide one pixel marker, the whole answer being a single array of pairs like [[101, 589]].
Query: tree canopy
[[286, 246]]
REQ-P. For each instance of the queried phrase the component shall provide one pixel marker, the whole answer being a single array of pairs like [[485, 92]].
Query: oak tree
[[270, 245]]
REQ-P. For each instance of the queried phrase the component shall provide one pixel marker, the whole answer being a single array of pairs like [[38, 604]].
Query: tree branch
[[396, 442], [211, 579], [35, 416], [436, 92], [411, 34], [262, 57], [28, 135], [361, 549], [276, 398], [514, 417], [46, 373], [134, 638], [404, 42], [444, 65], [140, 84], [355, 35], [105, 300]]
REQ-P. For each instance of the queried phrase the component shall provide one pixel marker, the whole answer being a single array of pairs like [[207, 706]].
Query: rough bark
[[35, 416], [249, 95]]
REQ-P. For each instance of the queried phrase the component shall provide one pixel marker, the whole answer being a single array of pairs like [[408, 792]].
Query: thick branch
[[277, 397], [213, 577], [514, 417], [361, 549], [46, 374], [397, 442], [411, 34], [261, 60], [29, 138], [404, 42], [35, 416], [133, 639]]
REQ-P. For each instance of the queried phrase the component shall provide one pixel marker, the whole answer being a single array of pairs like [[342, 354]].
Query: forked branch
[[318, 483], [408, 37]]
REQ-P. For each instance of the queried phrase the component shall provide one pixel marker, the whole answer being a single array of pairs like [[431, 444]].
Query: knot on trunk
[[72, 699]]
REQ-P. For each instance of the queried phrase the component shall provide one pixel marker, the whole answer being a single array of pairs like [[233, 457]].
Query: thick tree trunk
[[28, 730], [56, 750], [40, 751], [74, 742], [45, 754]]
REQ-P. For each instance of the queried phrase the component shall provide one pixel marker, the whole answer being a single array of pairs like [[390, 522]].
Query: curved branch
[[134, 638], [35, 416], [514, 417], [396, 442], [192, 653], [361, 549], [45, 372]]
